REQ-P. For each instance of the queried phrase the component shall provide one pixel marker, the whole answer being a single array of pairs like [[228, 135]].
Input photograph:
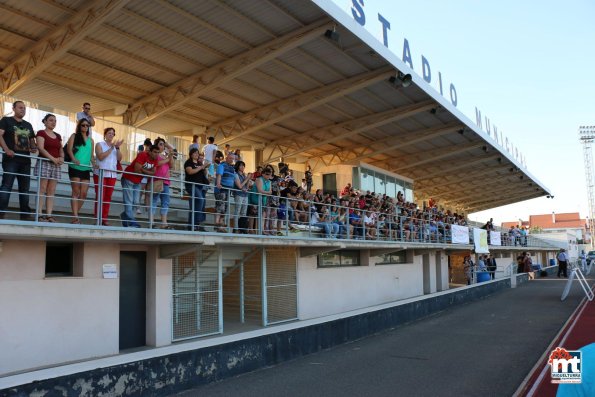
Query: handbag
[[157, 185]]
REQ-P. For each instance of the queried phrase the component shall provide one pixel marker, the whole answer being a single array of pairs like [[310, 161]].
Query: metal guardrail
[[191, 207]]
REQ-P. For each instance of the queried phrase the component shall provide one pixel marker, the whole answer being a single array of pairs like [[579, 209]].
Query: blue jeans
[[130, 195], [330, 229], [15, 169], [196, 204], [163, 197]]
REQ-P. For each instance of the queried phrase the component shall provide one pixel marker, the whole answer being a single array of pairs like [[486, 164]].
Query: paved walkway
[[485, 348]]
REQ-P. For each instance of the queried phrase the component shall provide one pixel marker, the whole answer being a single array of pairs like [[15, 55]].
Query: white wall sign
[[460, 234], [495, 238], [110, 271]]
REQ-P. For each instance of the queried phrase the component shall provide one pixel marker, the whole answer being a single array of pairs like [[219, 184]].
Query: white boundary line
[[533, 389]]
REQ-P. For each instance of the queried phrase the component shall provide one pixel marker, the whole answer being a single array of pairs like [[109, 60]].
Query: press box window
[[339, 258], [60, 260], [393, 258]]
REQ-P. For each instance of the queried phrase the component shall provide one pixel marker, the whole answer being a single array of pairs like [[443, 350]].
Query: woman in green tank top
[[80, 150]]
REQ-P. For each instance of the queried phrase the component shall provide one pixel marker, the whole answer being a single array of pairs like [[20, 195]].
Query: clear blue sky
[[529, 66]]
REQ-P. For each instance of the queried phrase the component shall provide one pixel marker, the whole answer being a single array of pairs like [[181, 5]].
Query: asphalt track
[[484, 348]]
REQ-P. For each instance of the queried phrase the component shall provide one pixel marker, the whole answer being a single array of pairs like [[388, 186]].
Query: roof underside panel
[[156, 53]]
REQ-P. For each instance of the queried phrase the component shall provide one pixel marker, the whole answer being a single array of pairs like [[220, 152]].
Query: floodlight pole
[[586, 136]]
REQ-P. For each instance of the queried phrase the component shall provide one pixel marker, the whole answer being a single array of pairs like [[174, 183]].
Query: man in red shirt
[[145, 163]]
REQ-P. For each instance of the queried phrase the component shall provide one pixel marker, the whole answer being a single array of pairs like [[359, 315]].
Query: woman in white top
[[108, 155]]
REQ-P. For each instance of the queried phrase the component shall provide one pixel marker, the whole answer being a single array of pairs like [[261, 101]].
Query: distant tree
[[535, 230]]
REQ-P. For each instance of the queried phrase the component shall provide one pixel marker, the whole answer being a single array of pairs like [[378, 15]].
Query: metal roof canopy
[[258, 74]]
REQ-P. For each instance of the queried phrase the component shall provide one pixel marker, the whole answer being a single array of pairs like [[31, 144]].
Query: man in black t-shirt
[[17, 139]]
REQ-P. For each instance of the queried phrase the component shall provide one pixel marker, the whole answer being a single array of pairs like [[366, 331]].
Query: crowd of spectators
[[266, 201]]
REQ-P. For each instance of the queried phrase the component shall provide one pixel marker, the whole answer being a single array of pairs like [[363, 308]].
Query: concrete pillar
[[429, 275], [441, 272], [159, 292]]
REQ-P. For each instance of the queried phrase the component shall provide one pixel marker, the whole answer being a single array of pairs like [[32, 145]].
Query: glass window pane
[[356, 178], [349, 258], [400, 186], [408, 192], [391, 187], [379, 186], [367, 180], [329, 259]]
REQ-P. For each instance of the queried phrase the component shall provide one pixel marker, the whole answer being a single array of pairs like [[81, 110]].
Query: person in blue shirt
[[355, 220], [226, 174]]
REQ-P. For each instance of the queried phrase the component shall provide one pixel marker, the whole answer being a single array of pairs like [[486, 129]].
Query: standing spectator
[[346, 190], [468, 269], [196, 186], [583, 259], [308, 175], [237, 155], [481, 263], [107, 155], [86, 114], [562, 263], [492, 266], [16, 138], [210, 154], [271, 226], [144, 164], [161, 181], [142, 201], [242, 184], [224, 183], [194, 144], [528, 265], [80, 151], [262, 186], [227, 150], [49, 144], [489, 226], [523, 237]]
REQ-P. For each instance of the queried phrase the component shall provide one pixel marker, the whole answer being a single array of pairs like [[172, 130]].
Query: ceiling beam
[[493, 203], [484, 191], [309, 139], [267, 115], [428, 133], [434, 155], [54, 45], [179, 93], [439, 192], [466, 177], [448, 170]]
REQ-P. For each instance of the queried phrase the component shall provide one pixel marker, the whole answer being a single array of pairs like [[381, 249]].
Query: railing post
[[287, 217], [263, 263], [38, 193], [192, 202], [242, 301], [259, 214], [363, 222], [151, 181], [220, 288], [99, 198], [310, 220]]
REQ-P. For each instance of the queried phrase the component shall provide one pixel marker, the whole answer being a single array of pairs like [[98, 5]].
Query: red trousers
[[106, 196]]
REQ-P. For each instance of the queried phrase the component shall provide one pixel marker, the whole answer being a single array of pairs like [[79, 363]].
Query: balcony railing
[[193, 208]]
